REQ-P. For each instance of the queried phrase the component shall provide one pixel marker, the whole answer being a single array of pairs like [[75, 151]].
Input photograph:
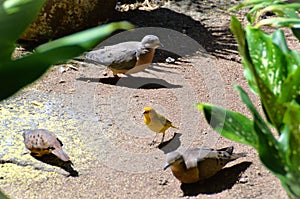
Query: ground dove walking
[[126, 57], [41, 142]]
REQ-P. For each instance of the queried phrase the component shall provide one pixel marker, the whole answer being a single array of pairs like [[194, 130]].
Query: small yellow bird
[[156, 122]]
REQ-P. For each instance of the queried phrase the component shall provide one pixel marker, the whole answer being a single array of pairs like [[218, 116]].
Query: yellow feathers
[[156, 122]]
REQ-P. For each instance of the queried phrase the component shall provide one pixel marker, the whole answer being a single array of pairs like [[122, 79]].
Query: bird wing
[[121, 56], [192, 156], [37, 139], [162, 119]]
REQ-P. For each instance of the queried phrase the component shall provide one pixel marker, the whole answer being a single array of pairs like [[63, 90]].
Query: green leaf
[[254, 13], [283, 10], [15, 17], [249, 3], [292, 143], [94, 35], [278, 39], [292, 121], [278, 22], [269, 70], [231, 125], [18, 73], [268, 148], [267, 58], [290, 89], [3, 196], [239, 34]]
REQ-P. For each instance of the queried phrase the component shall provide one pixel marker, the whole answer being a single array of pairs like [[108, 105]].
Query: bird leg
[[117, 77], [105, 72], [153, 141], [162, 139]]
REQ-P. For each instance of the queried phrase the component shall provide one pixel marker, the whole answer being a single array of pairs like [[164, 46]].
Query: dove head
[[26, 133], [173, 157], [150, 41]]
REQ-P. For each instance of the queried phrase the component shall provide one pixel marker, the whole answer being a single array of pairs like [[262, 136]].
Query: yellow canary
[[156, 122]]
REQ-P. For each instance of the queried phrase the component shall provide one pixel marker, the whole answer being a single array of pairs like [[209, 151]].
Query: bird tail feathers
[[235, 156], [61, 155], [175, 127]]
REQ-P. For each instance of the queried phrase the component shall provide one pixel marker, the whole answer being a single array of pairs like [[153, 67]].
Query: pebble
[[170, 60], [243, 180]]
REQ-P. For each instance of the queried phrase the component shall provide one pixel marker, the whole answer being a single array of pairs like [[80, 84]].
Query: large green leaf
[[292, 121], [85, 39], [2, 196], [292, 143], [269, 70], [267, 58], [15, 74], [283, 10], [15, 17], [279, 22], [229, 124], [254, 13], [240, 36], [268, 148], [291, 87], [250, 3]]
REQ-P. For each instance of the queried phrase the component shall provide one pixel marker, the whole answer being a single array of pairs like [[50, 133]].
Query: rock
[[243, 180], [63, 17]]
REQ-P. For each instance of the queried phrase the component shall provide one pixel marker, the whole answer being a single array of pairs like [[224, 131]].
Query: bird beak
[[167, 166], [161, 45], [145, 112]]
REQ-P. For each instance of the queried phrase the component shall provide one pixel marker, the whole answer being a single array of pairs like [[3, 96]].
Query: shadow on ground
[[218, 41], [171, 145], [224, 179], [133, 82], [55, 161]]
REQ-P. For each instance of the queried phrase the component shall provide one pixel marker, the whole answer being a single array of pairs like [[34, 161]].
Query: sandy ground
[[101, 125]]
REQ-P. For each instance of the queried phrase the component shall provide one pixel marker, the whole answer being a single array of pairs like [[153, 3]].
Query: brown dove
[[126, 57], [42, 141], [198, 164]]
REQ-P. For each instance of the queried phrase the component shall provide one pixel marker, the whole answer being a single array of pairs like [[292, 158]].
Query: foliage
[[273, 73], [15, 17]]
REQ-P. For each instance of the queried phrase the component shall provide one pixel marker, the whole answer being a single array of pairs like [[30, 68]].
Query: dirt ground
[[101, 125]]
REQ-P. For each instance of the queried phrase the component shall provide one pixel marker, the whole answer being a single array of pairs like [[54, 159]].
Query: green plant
[[273, 72], [15, 17]]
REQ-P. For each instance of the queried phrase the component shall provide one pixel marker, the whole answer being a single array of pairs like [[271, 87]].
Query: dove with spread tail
[[42, 141], [197, 164]]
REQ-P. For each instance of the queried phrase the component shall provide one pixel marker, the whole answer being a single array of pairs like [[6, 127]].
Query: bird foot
[[152, 143]]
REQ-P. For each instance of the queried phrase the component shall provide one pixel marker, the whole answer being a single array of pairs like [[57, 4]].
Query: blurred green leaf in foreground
[[15, 17]]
